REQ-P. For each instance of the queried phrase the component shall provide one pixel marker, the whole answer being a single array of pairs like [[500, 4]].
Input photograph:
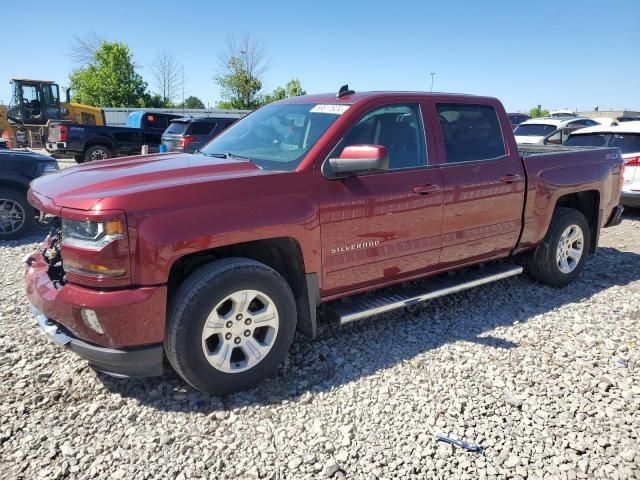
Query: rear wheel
[[560, 257], [97, 152], [230, 325], [16, 215]]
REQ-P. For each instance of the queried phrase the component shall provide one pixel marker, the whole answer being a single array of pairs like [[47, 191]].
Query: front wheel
[[230, 325], [560, 257], [17, 217]]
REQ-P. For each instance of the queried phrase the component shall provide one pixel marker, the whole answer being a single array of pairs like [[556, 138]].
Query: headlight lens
[[91, 235], [49, 167]]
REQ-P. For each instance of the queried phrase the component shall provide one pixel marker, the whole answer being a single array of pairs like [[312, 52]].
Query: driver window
[[397, 127]]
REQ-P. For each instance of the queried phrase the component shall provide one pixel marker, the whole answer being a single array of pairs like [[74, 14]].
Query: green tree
[[192, 102], [536, 112], [110, 80], [241, 67], [238, 88], [155, 101], [292, 89]]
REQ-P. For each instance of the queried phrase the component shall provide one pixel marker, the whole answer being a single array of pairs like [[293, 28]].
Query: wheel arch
[[283, 254], [104, 141], [14, 184], [588, 203]]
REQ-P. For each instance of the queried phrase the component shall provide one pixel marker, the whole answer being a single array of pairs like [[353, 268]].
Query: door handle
[[510, 178], [426, 189]]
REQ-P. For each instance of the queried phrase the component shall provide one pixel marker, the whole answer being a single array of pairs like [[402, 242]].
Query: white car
[[549, 130], [562, 113], [626, 137]]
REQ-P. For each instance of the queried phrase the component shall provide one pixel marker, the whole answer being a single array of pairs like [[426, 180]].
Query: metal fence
[[117, 117]]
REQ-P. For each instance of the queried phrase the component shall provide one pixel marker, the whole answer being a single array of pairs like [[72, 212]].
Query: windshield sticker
[[333, 109]]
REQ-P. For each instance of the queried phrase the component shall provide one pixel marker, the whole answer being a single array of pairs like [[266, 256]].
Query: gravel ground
[[547, 381]]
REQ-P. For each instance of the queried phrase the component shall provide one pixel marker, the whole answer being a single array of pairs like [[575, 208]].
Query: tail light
[[7, 137], [63, 133], [632, 162], [186, 140]]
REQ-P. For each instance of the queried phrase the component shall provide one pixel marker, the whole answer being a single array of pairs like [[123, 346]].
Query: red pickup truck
[[214, 260]]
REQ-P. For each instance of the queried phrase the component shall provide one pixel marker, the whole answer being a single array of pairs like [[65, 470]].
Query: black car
[[517, 118], [17, 169], [190, 134]]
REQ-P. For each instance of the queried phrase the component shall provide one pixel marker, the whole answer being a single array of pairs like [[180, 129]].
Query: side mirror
[[356, 159]]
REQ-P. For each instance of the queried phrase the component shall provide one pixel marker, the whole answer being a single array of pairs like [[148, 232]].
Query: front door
[[380, 227]]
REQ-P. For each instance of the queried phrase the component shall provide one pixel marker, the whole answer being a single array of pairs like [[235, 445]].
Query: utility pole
[[433, 74]]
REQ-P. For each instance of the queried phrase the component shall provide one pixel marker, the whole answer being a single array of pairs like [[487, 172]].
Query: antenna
[[344, 91]]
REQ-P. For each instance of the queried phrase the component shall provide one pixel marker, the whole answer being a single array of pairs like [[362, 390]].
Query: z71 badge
[[356, 246]]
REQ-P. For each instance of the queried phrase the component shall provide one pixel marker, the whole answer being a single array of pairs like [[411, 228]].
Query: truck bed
[[533, 149]]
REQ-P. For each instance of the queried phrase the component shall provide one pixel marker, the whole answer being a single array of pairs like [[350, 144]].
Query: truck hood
[[82, 187]]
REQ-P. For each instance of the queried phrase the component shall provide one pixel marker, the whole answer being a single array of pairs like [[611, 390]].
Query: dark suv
[[190, 134]]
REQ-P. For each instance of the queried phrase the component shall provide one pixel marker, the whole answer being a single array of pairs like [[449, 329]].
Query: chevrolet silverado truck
[[213, 261]]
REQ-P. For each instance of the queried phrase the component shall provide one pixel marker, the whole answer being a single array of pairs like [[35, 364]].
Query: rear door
[[379, 227], [484, 184]]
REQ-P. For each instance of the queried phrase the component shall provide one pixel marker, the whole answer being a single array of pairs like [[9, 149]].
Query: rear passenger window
[[471, 132], [156, 121], [397, 127], [201, 128]]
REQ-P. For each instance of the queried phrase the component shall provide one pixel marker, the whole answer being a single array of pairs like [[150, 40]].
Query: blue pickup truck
[[92, 142]]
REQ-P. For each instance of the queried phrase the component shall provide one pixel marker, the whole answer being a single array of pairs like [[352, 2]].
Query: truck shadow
[[345, 354]]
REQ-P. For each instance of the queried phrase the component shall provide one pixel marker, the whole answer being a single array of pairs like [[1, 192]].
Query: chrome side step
[[372, 304]]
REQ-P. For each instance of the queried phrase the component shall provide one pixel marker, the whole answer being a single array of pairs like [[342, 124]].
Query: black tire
[[79, 158], [19, 200], [196, 299], [97, 152], [543, 265]]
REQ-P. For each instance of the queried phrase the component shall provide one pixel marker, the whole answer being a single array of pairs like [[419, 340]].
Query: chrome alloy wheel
[[570, 249], [240, 331], [12, 216], [99, 154]]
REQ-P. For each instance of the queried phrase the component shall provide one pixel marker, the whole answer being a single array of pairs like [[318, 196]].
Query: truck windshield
[[534, 130], [590, 140], [277, 136]]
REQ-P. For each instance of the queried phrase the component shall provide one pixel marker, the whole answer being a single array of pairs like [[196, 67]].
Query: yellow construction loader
[[24, 122]]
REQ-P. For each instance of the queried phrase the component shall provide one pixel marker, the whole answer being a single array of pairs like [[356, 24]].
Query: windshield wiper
[[228, 155]]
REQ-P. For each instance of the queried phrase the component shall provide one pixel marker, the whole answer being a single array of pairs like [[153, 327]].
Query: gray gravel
[[546, 380]]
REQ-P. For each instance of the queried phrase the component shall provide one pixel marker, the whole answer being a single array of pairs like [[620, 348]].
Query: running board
[[375, 304]]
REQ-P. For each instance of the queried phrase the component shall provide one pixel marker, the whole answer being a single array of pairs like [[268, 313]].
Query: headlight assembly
[[91, 235]]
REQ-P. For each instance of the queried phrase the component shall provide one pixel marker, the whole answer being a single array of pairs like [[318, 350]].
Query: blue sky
[[559, 54]]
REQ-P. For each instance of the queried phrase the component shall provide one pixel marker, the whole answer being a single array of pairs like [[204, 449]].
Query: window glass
[[156, 121], [397, 127], [588, 140], [200, 128], [471, 132], [177, 128], [626, 142], [534, 130], [276, 136]]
